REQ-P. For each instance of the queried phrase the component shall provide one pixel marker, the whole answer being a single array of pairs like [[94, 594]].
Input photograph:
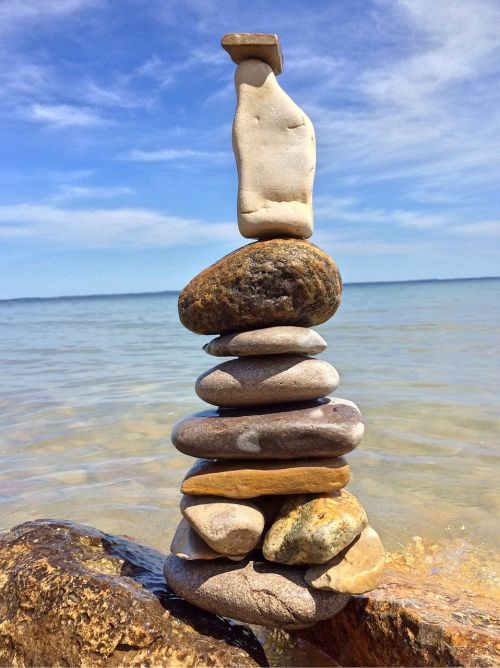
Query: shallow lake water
[[90, 388]]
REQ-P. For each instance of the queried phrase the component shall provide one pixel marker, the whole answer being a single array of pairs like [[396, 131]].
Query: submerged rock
[[263, 284], [71, 595], [255, 592]]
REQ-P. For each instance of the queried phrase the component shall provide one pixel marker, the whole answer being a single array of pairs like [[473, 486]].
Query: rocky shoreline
[[73, 595]]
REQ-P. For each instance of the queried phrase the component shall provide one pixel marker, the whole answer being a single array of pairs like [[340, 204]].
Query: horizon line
[[171, 292]]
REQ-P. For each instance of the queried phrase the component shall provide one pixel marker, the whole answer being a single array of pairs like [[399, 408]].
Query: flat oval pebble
[[323, 428], [227, 526], [356, 570], [247, 479], [311, 529], [263, 284], [252, 592], [267, 341], [271, 379], [187, 544]]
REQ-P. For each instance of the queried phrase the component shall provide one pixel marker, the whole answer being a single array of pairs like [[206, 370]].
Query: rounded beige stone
[[356, 570], [246, 479], [311, 529], [227, 526], [271, 379], [187, 544], [267, 341], [252, 592]]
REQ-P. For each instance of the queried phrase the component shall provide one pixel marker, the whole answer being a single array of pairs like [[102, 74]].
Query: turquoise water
[[90, 388]]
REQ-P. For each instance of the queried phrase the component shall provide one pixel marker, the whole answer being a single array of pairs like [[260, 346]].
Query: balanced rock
[[311, 529], [187, 544], [267, 341], [71, 595], [253, 592], [227, 526], [270, 379], [247, 479], [356, 570], [324, 428], [275, 184], [266, 283], [244, 45]]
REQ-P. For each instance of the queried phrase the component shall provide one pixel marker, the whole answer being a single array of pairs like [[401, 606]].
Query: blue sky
[[116, 168]]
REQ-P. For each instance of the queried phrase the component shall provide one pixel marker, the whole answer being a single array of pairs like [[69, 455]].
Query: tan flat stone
[[357, 569], [244, 45], [268, 379], [311, 529], [247, 479], [227, 526], [187, 544], [267, 341], [275, 150]]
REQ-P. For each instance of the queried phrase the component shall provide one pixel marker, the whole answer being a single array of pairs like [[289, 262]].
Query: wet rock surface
[[72, 595], [325, 428], [266, 283]]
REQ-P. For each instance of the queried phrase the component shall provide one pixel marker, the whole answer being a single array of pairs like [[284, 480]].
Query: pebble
[[253, 592], [187, 544], [227, 526], [324, 428], [248, 479], [267, 341], [271, 379], [357, 569], [311, 529], [263, 284]]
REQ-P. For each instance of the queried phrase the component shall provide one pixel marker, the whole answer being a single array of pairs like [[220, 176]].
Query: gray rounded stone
[[267, 379], [323, 428], [267, 341], [254, 592]]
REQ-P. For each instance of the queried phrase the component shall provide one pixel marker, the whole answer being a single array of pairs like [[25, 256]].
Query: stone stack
[[269, 534]]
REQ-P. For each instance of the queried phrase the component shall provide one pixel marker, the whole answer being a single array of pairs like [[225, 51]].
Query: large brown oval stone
[[274, 282]]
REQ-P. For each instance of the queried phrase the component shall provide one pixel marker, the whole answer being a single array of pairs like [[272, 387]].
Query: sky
[[116, 168]]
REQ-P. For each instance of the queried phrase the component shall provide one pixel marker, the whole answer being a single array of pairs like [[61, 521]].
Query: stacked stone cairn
[[269, 533]]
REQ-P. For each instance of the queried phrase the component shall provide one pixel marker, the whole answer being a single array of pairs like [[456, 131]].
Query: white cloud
[[487, 228], [16, 13], [103, 228], [171, 154], [68, 192], [65, 115]]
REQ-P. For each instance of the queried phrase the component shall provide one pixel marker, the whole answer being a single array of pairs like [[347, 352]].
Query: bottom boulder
[[71, 595]]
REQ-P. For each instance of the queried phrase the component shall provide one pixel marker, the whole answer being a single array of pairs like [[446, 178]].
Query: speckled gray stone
[[252, 592], [324, 428], [267, 341]]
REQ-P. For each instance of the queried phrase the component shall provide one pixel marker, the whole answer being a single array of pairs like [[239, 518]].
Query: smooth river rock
[[247, 479], [228, 527], [71, 595], [275, 150], [269, 379], [254, 592], [187, 544], [324, 428], [264, 284], [357, 569], [311, 529], [267, 341]]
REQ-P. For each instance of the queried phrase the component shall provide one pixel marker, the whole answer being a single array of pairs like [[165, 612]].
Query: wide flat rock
[[248, 478], [254, 592], [324, 428], [71, 595], [263, 284], [267, 341], [269, 379], [244, 45]]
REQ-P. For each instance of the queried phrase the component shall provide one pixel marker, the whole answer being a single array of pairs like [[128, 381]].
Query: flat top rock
[[255, 592], [263, 284], [324, 428], [71, 595], [263, 46], [247, 479], [267, 341]]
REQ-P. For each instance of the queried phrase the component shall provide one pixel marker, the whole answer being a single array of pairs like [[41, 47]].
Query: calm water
[[90, 388]]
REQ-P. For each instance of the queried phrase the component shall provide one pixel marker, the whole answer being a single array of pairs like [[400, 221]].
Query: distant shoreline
[[158, 293]]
